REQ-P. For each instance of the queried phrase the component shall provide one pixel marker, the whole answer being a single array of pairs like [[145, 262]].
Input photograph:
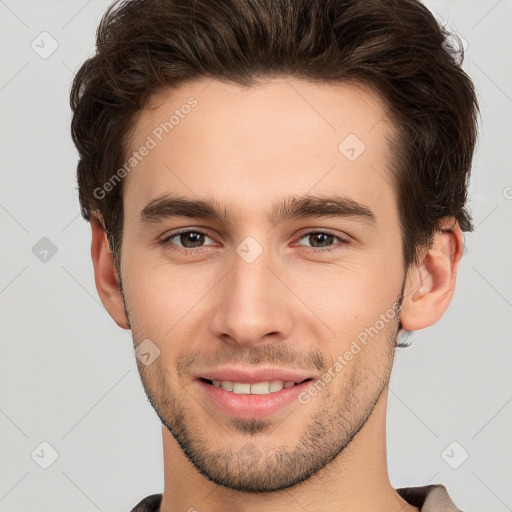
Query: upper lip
[[252, 375]]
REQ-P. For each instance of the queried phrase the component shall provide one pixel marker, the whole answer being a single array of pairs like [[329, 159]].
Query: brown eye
[[321, 239], [191, 239], [183, 240], [324, 241]]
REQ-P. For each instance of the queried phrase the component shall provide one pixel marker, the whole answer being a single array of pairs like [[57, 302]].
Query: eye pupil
[[193, 237], [321, 238]]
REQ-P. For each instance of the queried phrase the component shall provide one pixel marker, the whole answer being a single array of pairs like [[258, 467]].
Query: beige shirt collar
[[431, 498]]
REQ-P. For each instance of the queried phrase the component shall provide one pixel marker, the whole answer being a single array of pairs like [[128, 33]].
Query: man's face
[[245, 293]]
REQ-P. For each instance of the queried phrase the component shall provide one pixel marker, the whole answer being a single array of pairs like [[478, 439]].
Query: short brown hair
[[395, 46]]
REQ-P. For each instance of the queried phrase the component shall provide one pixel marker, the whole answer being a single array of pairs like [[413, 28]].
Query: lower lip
[[251, 406]]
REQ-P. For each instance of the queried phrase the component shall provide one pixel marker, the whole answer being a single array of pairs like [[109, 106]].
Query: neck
[[356, 480]]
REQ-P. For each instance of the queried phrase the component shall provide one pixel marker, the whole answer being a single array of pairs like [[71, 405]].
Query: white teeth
[[276, 385], [241, 388], [258, 388], [227, 385]]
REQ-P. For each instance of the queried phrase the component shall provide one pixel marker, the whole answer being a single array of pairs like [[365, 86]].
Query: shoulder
[[148, 504], [430, 498]]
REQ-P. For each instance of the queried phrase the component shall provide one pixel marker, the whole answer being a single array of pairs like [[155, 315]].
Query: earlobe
[[431, 284], [105, 274]]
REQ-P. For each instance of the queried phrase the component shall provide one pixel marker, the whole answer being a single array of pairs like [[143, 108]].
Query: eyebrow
[[170, 206]]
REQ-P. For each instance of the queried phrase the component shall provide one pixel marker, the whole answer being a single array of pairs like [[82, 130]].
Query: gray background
[[68, 373]]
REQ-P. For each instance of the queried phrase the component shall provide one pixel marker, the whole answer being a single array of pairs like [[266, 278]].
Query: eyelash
[[167, 241]]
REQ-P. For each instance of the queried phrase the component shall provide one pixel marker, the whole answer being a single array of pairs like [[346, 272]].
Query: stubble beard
[[256, 465]]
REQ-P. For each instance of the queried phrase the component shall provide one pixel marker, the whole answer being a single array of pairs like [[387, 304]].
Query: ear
[[105, 274], [430, 284]]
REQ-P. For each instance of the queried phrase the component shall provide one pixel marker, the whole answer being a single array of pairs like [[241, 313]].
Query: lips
[[257, 393]]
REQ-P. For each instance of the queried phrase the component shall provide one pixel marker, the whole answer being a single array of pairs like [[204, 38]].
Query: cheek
[[351, 296], [162, 299]]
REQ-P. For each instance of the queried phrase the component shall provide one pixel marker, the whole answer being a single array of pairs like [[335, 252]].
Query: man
[[277, 192]]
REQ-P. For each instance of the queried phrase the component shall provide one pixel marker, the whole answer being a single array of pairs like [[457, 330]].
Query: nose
[[254, 306]]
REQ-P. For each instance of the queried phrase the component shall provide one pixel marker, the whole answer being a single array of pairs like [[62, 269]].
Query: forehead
[[245, 144]]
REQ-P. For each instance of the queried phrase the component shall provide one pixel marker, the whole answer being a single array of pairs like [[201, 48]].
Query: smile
[[257, 388], [254, 400]]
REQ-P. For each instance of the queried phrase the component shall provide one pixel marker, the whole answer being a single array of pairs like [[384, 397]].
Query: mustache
[[282, 355]]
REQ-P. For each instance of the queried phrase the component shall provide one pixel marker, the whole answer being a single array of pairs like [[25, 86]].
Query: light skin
[[248, 149]]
